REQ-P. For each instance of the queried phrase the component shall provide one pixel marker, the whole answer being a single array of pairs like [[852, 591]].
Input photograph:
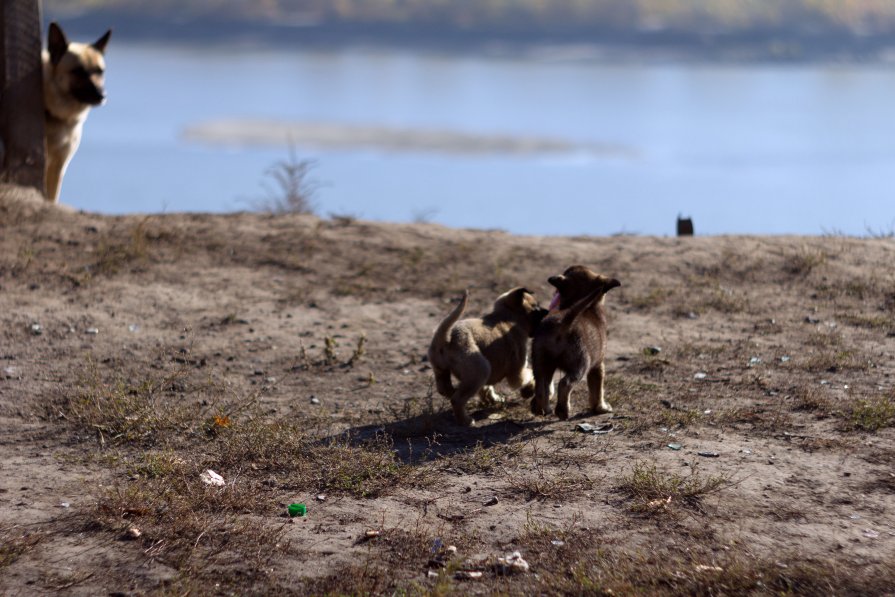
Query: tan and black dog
[[572, 340], [483, 351], [73, 83]]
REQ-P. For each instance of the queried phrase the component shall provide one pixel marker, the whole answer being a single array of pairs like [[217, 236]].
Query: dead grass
[[482, 459], [291, 188], [396, 562], [709, 293], [757, 417], [162, 421], [165, 428], [872, 414], [14, 542], [654, 492], [723, 299], [190, 525], [664, 571], [639, 404], [828, 352], [116, 251], [804, 261], [118, 409], [883, 321], [551, 485], [813, 400], [853, 414], [652, 298]]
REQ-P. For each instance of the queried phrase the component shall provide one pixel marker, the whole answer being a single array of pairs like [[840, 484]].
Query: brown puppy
[[482, 352], [573, 340], [73, 83]]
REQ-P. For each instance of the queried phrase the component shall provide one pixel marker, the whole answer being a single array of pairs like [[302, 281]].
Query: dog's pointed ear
[[100, 44], [57, 43]]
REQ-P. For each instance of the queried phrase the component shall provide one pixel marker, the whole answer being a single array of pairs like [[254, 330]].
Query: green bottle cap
[[297, 509]]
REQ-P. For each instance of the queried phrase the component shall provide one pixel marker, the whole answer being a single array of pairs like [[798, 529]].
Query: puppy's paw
[[562, 412], [602, 409], [464, 422], [489, 397], [538, 409], [527, 391]]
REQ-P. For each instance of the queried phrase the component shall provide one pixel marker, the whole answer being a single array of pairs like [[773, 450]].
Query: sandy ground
[[287, 353]]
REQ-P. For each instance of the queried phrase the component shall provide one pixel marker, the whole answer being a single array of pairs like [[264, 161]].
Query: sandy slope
[[794, 337]]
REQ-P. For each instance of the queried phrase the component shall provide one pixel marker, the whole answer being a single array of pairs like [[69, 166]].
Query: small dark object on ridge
[[684, 226]]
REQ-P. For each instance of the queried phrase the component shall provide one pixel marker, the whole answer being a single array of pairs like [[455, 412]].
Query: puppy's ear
[[57, 43], [100, 44], [519, 295]]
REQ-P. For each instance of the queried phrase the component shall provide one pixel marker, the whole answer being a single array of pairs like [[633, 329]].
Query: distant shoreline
[[778, 46]]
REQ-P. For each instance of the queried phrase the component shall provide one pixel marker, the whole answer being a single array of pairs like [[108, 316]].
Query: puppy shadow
[[430, 436]]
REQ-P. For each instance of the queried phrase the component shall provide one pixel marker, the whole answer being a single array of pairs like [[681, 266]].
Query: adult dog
[[572, 340], [481, 352], [72, 84]]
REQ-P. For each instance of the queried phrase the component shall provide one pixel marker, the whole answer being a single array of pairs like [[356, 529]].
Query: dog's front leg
[[54, 178]]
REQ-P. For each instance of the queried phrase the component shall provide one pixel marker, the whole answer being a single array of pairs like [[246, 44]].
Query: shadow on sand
[[433, 435]]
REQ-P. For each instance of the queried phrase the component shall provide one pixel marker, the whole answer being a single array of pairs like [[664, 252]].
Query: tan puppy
[[73, 83], [482, 352], [572, 339]]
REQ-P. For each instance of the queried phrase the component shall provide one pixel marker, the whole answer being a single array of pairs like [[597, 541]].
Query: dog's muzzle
[[89, 93]]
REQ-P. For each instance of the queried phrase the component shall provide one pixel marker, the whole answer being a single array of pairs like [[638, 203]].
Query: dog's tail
[[443, 332], [582, 305]]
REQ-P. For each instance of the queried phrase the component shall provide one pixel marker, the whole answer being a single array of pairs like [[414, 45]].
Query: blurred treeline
[[853, 16]]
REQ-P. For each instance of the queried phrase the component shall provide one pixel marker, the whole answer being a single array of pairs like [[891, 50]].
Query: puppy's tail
[[581, 306], [443, 332]]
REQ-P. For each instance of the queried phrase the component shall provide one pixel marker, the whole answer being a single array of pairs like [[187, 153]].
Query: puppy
[[72, 84], [482, 352], [572, 339]]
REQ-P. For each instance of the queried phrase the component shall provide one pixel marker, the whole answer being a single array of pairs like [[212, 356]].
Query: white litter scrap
[[209, 477], [512, 564], [658, 503]]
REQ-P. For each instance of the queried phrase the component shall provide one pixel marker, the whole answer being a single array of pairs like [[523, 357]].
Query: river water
[[755, 148]]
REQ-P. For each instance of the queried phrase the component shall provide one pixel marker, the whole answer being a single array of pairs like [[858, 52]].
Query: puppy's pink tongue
[[554, 303]]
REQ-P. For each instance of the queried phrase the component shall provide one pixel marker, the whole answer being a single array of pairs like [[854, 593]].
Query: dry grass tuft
[[190, 525], [130, 410], [654, 491], [673, 572], [15, 542], [561, 485], [114, 253], [872, 414], [804, 261], [482, 459], [654, 297]]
